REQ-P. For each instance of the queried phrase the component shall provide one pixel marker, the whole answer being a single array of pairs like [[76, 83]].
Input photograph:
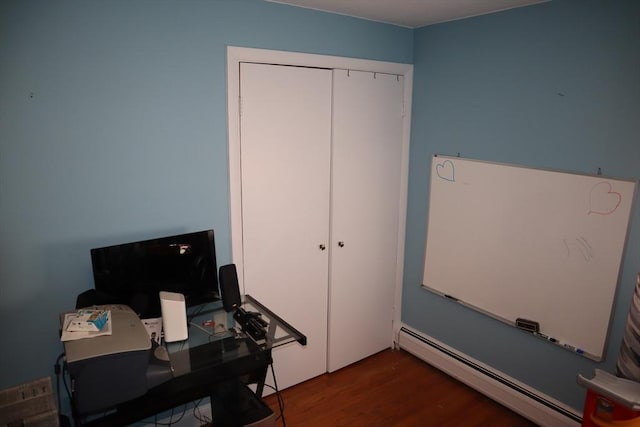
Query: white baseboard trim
[[520, 398]]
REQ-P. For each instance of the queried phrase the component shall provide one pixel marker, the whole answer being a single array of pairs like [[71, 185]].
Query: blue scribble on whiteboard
[[446, 171], [580, 245]]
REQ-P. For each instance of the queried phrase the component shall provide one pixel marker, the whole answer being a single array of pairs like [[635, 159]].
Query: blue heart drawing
[[445, 170]]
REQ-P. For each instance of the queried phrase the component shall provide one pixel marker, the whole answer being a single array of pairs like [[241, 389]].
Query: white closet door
[[366, 172], [285, 161]]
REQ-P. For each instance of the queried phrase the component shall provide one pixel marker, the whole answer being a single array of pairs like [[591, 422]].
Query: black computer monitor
[[134, 273]]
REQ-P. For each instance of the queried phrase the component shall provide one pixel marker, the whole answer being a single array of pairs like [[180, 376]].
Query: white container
[[174, 316]]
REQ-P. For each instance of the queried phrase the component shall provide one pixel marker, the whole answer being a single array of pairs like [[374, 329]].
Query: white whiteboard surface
[[516, 242]]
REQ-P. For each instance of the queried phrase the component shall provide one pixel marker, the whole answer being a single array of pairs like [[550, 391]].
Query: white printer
[[110, 369]]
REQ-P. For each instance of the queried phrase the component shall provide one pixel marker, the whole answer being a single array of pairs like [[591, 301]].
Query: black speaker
[[229, 287]]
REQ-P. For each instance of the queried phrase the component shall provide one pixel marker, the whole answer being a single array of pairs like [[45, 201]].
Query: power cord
[[171, 420], [169, 423], [202, 418], [63, 419], [57, 369]]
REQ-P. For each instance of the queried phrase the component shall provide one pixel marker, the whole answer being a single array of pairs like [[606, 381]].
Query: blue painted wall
[[557, 86], [113, 128]]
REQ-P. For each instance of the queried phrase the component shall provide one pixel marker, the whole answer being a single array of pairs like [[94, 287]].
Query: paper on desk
[[78, 335], [89, 320]]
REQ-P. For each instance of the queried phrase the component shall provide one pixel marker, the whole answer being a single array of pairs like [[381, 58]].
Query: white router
[[174, 316]]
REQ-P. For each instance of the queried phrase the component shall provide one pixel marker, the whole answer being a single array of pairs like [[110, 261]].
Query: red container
[[600, 411]]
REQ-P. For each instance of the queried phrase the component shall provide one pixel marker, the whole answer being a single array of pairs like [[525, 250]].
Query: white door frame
[[236, 55]]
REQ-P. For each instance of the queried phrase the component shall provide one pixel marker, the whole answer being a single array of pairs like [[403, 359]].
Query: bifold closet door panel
[[285, 163], [366, 172]]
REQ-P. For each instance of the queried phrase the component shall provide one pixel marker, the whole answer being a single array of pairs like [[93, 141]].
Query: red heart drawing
[[603, 200]]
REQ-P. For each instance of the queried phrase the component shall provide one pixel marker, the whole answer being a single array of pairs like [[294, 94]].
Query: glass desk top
[[208, 346]]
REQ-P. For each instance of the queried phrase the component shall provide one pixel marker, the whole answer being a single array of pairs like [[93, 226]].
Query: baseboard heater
[[530, 403]]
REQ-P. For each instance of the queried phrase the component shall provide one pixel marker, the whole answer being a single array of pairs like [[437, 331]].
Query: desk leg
[[262, 378]]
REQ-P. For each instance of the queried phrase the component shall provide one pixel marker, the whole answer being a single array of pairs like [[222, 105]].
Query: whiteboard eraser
[[527, 325]]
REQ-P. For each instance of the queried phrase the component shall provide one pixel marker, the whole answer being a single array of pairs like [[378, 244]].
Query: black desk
[[215, 366]]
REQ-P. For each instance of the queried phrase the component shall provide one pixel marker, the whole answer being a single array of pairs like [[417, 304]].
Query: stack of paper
[[86, 323]]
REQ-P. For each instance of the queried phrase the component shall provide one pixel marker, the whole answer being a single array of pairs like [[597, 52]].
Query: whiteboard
[[523, 243]]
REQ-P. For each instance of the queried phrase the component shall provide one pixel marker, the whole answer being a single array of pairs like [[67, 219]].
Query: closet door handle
[[322, 247], [341, 244]]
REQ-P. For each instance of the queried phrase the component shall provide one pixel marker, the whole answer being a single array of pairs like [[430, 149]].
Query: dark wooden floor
[[391, 388]]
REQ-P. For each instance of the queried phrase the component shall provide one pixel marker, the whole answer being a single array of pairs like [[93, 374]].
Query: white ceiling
[[410, 13]]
